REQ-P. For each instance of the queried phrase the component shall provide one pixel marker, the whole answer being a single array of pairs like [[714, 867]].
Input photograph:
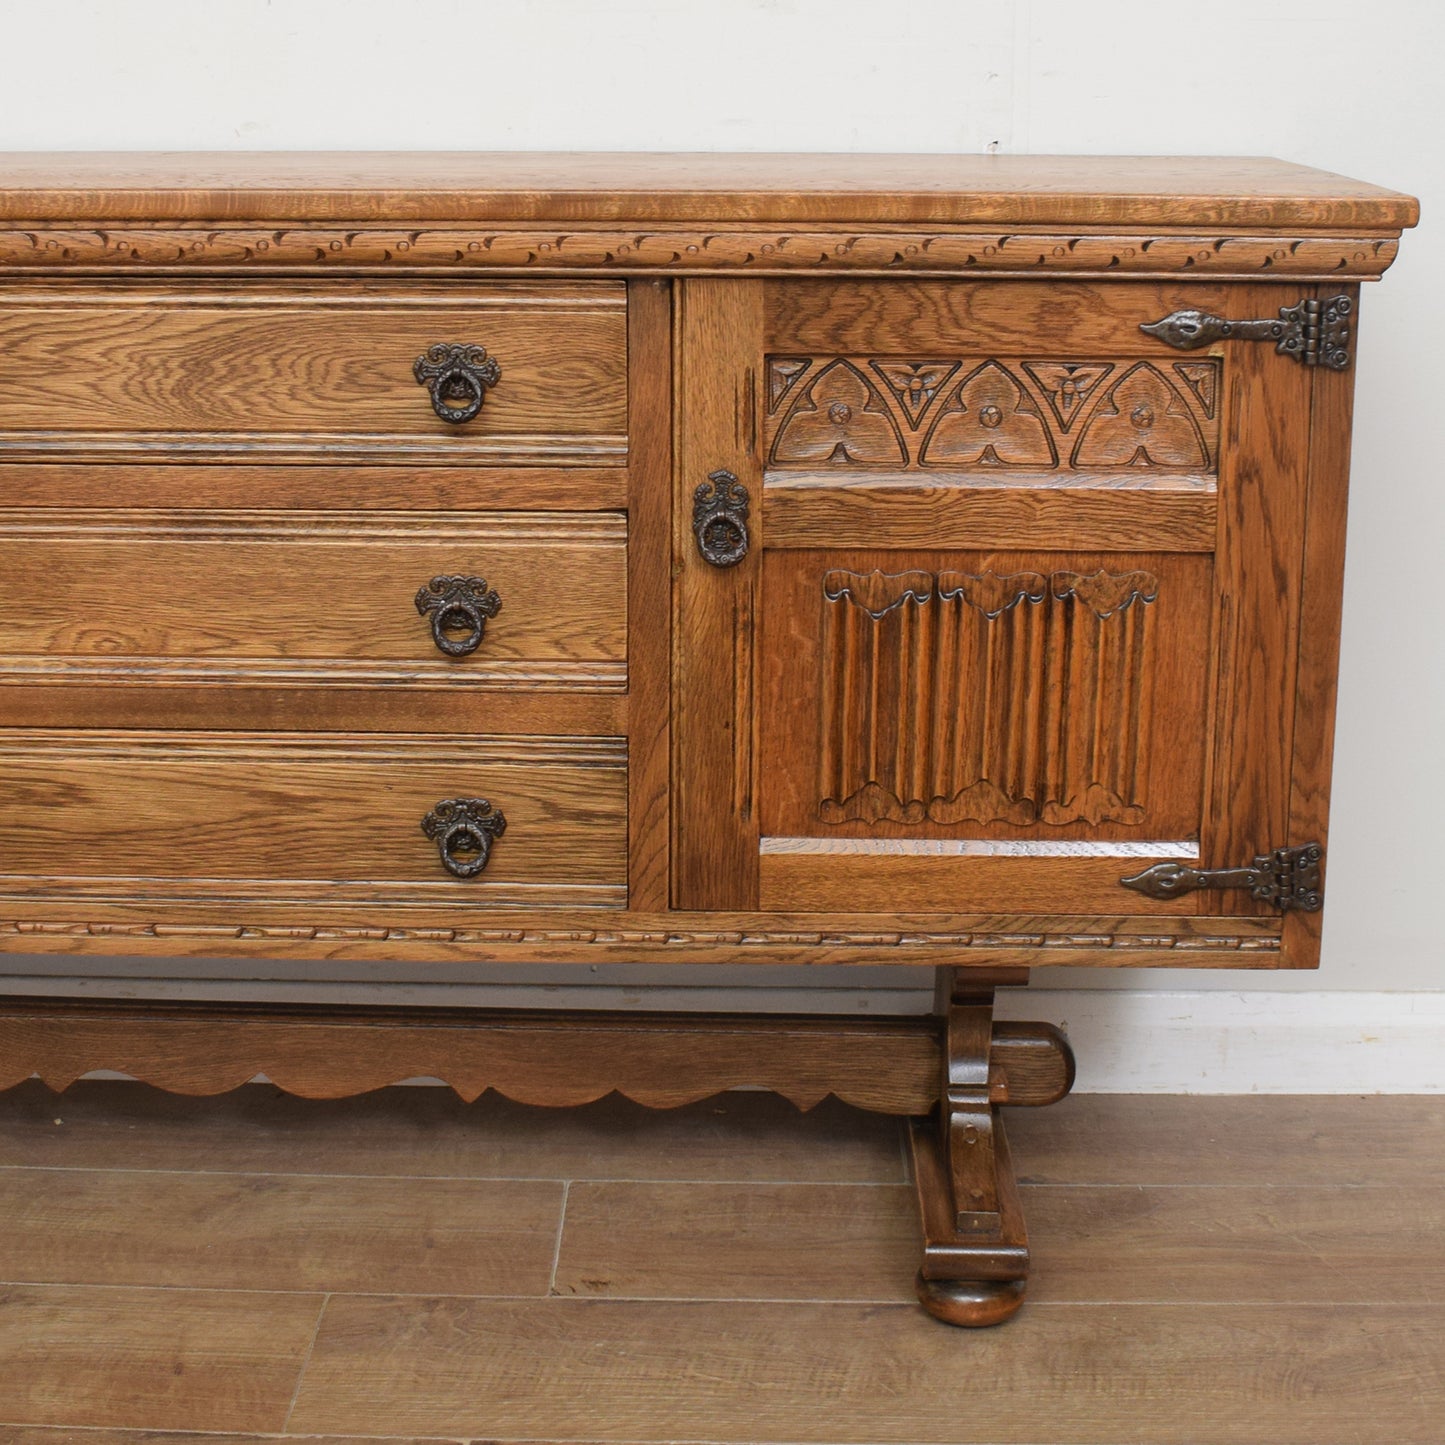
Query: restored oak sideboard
[[931, 560]]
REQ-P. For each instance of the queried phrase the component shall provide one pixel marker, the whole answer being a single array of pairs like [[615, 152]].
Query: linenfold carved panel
[[992, 413], [953, 696]]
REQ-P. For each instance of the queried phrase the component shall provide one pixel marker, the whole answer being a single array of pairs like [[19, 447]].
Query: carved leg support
[[975, 1247]]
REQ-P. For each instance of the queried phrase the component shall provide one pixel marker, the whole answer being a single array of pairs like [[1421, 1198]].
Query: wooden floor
[[405, 1267]]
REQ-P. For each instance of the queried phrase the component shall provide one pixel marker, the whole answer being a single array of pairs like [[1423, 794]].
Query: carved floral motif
[[992, 414], [1142, 421], [839, 417], [989, 420]]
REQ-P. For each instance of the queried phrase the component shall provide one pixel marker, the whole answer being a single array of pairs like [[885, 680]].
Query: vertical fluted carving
[[1011, 698]]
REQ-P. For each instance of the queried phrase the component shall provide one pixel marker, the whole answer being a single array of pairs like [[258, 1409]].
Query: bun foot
[[972, 1303]]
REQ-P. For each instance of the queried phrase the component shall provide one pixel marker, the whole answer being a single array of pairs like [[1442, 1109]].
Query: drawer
[[302, 373], [522, 600], [334, 818]]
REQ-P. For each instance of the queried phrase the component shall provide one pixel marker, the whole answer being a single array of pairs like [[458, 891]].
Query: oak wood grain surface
[[715, 658], [43, 185], [649, 598], [1321, 604], [825, 882], [912, 317], [1264, 481], [916, 513]]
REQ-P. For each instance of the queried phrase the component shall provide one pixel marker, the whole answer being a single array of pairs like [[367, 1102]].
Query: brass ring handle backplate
[[463, 830], [457, 377], [720, 519], [456, 603]]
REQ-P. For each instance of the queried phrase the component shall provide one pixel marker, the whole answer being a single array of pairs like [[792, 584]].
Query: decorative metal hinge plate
[[1316, 332], [1287, 878]]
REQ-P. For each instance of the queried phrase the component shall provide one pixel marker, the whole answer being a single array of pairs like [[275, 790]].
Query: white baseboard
[[1176, 1041], [1246, 1043]]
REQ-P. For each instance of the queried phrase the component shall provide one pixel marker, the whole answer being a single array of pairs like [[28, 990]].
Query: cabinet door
[[1020, 611]]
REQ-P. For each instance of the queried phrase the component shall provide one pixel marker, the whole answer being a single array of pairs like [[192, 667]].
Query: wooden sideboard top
[[537, 186]]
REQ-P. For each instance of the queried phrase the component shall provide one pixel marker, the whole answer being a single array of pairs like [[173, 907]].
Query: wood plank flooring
[[405, 1268]]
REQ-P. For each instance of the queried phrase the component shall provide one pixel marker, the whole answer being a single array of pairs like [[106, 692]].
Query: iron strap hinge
[[1287, 878], [1315, 332]]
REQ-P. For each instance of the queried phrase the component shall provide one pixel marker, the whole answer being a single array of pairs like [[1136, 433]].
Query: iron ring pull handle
[[463, 830], [458, 378], [454, 603]]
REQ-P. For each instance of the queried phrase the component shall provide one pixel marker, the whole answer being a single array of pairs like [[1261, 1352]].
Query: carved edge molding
[[650, 938], [1019, 253]]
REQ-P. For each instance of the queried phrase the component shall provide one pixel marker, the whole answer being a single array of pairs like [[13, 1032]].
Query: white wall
[[1324, 82]]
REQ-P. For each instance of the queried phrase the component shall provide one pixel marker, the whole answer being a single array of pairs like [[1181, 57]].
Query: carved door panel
[[1019, 613]]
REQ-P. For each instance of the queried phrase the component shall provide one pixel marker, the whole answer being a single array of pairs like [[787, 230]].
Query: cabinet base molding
[[897, 1066]]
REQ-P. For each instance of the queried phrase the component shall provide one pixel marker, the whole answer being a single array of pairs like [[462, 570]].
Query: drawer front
[[521, 601], [177, 815], [306, 373]]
